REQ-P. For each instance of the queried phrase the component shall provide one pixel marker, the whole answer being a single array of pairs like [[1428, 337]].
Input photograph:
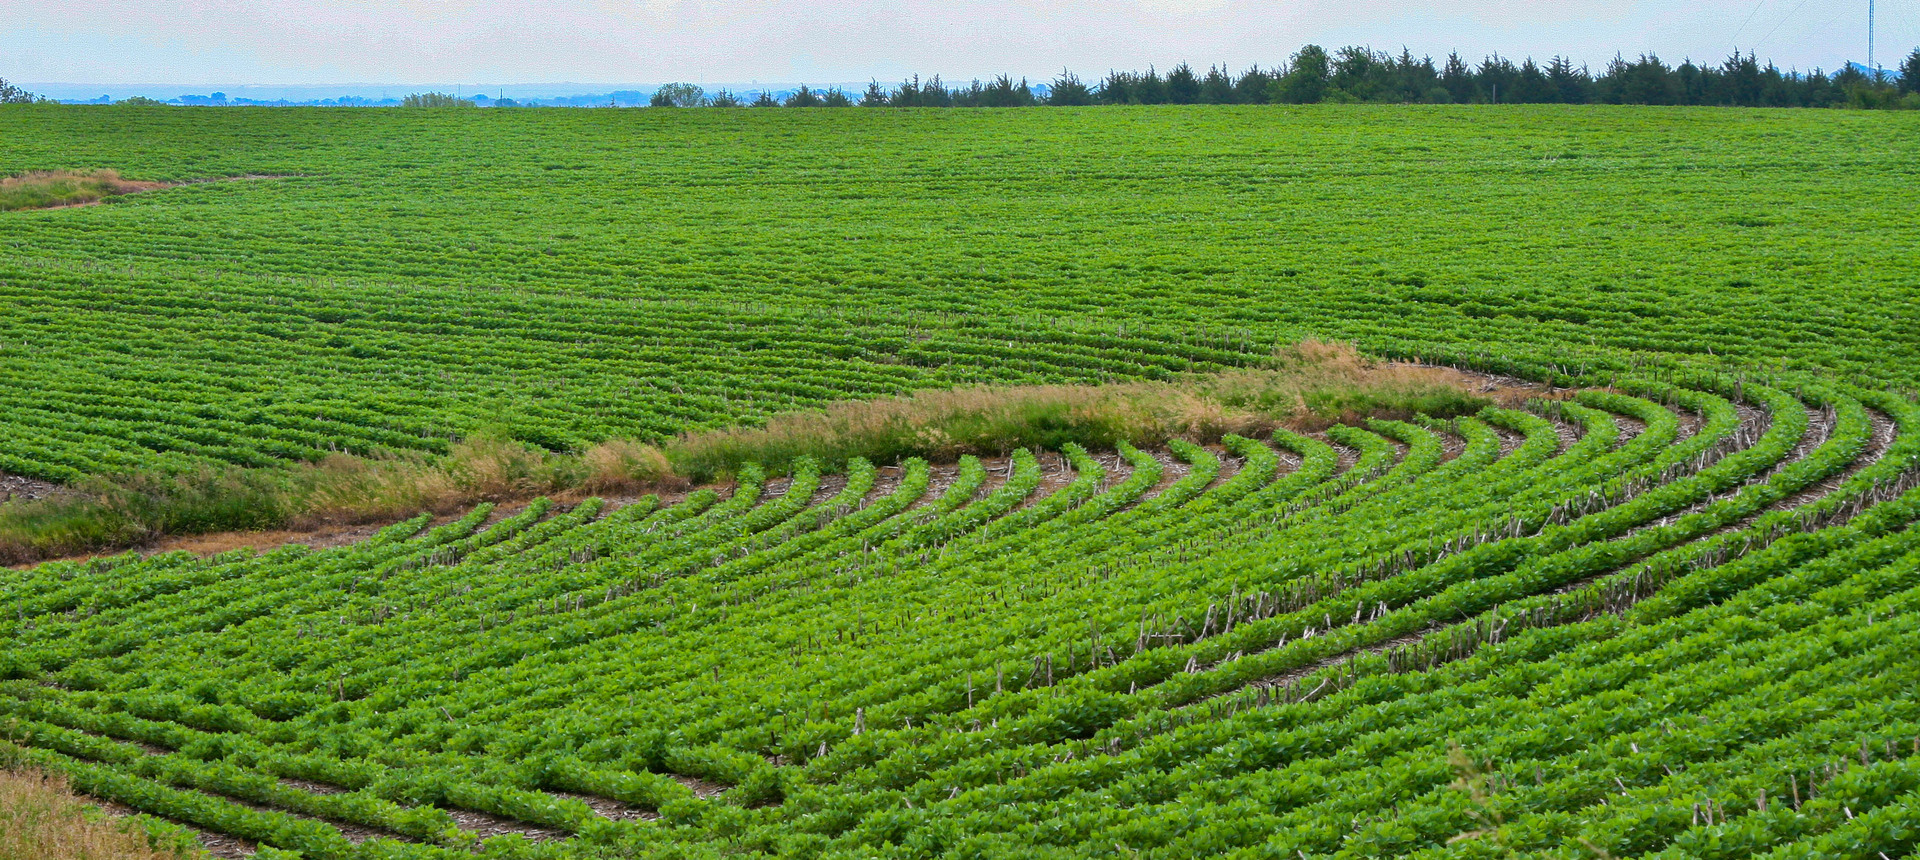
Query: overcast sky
[[225, 42]]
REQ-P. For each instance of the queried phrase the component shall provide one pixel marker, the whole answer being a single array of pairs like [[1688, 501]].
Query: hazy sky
[[644, 41]]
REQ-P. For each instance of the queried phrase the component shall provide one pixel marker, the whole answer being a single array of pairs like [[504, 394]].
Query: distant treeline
[[1362, 75]]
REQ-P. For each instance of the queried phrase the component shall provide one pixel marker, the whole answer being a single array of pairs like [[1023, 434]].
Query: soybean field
[[1658, 598]]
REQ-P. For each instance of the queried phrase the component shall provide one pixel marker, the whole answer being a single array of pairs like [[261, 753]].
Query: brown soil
[[487, 826], [611, 810], [701, 788], [28, 489]]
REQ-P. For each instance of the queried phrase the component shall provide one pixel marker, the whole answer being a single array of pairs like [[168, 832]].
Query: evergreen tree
[[804, 98], [908, 95], [1415, 81], [1305, 82], [1693, 85], [1150, 88], [724, 99], [1776, 88], [1532, 87], [1570, 85], [1910, 73], [1461, 84], [1497, 76], [874, 96], [1003, 92], [835, 98], [1255, 87], [1068, 91], [1743, 80], [934, 93], [766, 99], [1217, 88], [1183, 86], [1646, 81]]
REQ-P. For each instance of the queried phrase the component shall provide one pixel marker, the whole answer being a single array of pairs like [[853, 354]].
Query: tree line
[[1362, 75], [1348, 75]]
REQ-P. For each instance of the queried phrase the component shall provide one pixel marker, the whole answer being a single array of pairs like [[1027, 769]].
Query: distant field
[[1636, 576], [567, 277]]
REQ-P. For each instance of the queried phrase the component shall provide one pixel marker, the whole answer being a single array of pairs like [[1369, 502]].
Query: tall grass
[[48, 188], [41, 819], [1309, 387]]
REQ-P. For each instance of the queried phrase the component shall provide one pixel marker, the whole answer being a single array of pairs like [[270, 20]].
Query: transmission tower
[[1870, 65]]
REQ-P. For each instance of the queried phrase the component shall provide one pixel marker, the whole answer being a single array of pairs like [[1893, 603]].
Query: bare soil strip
[[611, 810]]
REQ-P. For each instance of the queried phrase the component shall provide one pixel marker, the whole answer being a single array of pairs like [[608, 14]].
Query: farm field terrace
[[1666, 608]]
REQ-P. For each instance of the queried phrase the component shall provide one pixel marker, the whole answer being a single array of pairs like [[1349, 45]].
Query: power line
[[1743, 24], [1783, 21]]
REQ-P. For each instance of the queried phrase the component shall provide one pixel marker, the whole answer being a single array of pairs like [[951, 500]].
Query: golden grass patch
[[47, 189], [41, 819]]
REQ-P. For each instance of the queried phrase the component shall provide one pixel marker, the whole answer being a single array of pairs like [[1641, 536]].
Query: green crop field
[[1664, 606]]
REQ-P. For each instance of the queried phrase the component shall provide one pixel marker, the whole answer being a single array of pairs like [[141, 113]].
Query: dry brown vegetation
[[1307, 387], [40, 819], [46, 189]]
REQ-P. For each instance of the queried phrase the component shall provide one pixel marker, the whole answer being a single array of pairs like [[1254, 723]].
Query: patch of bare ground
[[830, 486], [1630, 429], [1507, 392], [1345, 458], [1172, 469], [1056, 471], [701, 788], [942, 478], [1452, 445], [611, 810], [15, 487], [1569, 434], [886, 479], [311, 787], [1509, 440], [486, 826], [1230, 465]]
